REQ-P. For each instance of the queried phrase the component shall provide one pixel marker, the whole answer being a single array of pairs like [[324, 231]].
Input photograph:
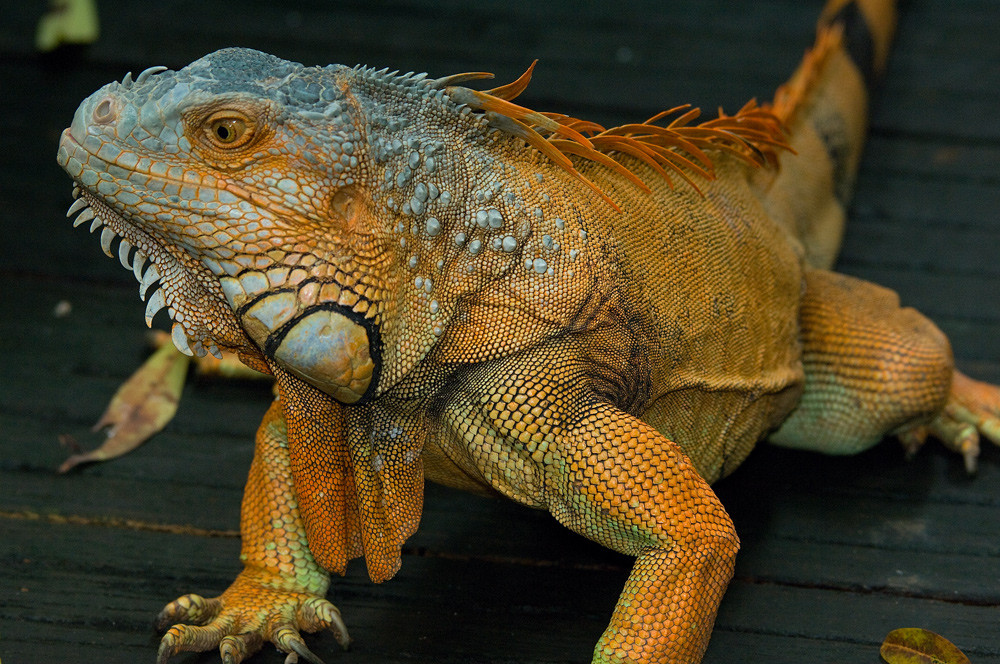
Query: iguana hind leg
[[875, 369]]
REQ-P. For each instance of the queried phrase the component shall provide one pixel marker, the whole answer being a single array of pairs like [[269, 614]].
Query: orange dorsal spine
[[754, 134]]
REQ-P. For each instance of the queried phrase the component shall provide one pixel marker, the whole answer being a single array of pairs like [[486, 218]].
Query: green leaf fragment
[[67, 22], [913, 645]]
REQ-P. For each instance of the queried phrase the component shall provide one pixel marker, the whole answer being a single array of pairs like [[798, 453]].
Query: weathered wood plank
[[836, 551], [78, 583], [819, 617], [104, 597]]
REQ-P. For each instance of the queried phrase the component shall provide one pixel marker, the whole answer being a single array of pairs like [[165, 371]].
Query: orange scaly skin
[[280, 576], [447, 285]]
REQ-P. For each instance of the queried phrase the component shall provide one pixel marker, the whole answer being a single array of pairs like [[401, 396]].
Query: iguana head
[[238, 178]]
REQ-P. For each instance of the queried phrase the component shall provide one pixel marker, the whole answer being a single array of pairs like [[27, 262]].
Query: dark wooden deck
[[837, 552]]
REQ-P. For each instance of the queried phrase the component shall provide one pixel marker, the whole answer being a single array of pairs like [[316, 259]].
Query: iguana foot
[[972, 410], [246, 615]]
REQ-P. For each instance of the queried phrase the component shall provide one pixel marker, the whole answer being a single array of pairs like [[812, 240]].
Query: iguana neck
[[471, 216]]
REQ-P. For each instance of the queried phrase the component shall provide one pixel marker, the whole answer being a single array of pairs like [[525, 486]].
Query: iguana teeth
[[138, 263], [107, 236], [77, 205], [180, 338], [84, 217], [124, 247], [148, 279], [156, 302]]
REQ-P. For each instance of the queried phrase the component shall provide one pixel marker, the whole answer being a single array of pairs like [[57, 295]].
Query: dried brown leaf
[[142, 406]]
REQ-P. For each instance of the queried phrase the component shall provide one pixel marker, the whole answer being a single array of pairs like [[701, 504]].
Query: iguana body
[[441, 292]]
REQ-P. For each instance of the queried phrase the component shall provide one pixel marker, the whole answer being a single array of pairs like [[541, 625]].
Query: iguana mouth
[[163, 278]]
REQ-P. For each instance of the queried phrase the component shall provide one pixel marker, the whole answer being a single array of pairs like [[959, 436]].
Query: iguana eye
[[227, 130]]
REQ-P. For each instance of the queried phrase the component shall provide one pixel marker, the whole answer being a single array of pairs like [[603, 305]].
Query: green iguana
[[599, 322]]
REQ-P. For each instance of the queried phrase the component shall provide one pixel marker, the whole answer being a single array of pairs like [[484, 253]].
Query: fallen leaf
[[142, 406], [913, 645]]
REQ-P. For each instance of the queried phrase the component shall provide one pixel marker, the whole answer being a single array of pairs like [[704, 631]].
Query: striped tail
[[825, 107]]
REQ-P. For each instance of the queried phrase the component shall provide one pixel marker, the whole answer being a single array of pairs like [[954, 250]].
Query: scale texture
[[446, 285]]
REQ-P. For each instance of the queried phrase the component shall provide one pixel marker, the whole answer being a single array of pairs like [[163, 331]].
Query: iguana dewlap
[[445, 284]]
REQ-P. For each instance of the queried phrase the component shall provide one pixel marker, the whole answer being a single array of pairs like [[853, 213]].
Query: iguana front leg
[[280, 591], [540, 432], [625, 485]]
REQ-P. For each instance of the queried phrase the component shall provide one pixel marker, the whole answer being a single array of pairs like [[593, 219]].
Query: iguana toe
[[959, 436], [190, 608], [243, 618], [316, 614], [972, 411], [237, 647], [189, 638]]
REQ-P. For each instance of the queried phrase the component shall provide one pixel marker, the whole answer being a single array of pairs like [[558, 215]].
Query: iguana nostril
[[106, 111]]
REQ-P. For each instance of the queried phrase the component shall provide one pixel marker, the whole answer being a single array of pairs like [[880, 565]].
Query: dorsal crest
[[792, 96], [669, 142]]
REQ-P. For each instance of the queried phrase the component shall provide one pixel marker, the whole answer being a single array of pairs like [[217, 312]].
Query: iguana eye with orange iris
[[227, 130]]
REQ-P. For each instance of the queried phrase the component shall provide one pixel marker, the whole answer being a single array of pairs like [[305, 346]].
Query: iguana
[[599, 322]]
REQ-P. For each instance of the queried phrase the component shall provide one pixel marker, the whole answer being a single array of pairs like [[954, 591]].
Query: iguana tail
[[824, 105]]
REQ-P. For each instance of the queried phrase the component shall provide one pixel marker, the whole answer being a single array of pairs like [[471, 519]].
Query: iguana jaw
[[168, 278], [327, 345]]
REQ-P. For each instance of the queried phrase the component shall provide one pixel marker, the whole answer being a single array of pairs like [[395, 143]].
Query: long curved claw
[[317, 614], [972, 412], [237, 647], [290, 641]]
